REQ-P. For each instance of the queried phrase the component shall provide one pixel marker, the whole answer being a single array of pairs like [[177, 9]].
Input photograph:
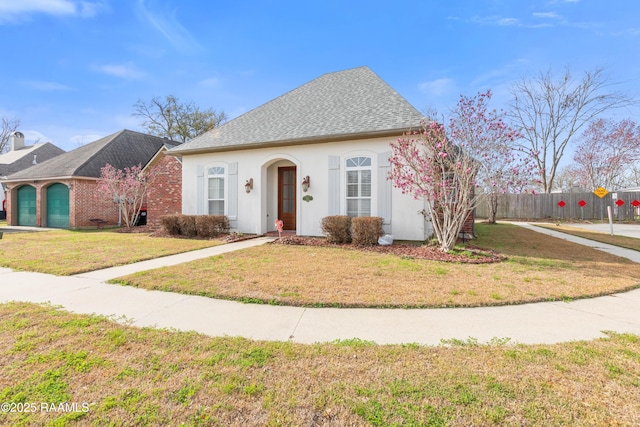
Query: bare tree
[[7, 127], [550, 111], [168, 117]]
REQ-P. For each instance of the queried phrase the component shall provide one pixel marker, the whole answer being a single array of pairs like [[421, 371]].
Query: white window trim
[[225, 177], [374, 188]]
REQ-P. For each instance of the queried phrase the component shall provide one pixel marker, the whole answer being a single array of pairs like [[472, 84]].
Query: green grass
[[66, 252], [538, 268], [122, 375]]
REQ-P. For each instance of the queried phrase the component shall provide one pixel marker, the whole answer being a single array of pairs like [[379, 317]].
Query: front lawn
[[538, 268], [66, 252], [120, 375]]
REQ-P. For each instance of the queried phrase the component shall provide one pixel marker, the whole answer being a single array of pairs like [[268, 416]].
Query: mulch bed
[[476, 255]]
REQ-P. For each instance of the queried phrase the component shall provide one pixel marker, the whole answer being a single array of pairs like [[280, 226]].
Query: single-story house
[[321, 149], [63, 193], [21, 156]]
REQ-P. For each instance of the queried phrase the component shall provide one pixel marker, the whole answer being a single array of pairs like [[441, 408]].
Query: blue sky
[[72, 69]]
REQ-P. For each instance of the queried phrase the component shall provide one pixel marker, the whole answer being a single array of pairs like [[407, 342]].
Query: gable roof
[[122, 149], [348, 104], [22, 158]]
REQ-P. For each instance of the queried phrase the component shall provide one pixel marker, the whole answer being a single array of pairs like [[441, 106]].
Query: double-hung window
[[358, 186], [215, 195]]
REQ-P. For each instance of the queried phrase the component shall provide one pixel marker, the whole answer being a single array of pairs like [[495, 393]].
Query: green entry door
[[58, 206], [27, 206]]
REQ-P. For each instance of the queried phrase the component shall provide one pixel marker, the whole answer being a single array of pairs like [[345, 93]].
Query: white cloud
[[547, 15], [439, 87], [20, 10], [33, 136], [125, 71], [45, 86], [210, 82], [167, 24], [508, 22], [80, 140]]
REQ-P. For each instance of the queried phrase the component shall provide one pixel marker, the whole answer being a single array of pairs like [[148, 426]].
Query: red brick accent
[[164, 196], [467, 227]]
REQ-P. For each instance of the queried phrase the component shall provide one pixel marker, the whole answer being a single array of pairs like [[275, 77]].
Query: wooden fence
[[547, 206]]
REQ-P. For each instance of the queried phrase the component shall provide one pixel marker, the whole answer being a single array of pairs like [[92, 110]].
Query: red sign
[[562, 204], [635, 203], [619, 202], [582, 203]]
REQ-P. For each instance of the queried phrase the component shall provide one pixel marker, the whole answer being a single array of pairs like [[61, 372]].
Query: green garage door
[[58, 206], [27, 206]]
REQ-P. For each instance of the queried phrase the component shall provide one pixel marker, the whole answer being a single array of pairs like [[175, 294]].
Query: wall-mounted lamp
[[306, 182], [249, 185]]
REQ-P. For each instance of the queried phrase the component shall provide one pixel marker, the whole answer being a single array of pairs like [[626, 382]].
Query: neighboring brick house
[[20, 157], [63, 192], [164, 196]]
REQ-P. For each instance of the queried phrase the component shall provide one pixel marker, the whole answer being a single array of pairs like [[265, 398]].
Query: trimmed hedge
[[204, 226], [170, 224], [337, 228], [211, 225], [187, 225], [365, 230]]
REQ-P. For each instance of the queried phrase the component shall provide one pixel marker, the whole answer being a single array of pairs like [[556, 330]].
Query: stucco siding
[[257, 210]]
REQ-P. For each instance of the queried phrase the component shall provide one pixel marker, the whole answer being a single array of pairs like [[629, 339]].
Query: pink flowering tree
[[458, 166], [127, 188], [606, 154]]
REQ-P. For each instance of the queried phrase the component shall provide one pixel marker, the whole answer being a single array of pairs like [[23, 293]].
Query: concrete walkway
[[549, 322]]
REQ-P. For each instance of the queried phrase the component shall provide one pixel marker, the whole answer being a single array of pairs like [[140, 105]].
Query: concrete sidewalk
[[123, 270], [548, 322]]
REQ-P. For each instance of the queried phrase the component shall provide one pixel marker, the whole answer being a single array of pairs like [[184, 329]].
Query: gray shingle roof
[[335, 106], [22, 158], [122, 149]]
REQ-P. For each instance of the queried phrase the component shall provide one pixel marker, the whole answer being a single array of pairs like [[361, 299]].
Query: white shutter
[[384, 190], [200, 190], [334, 186], [232, 197]]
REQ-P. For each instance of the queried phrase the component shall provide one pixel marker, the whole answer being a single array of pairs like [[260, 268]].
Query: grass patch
[[539, 268], [66, 252], [161, 377], [622, 241]]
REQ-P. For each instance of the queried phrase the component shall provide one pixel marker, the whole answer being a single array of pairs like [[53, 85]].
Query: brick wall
[[164, 196], [87, 203]]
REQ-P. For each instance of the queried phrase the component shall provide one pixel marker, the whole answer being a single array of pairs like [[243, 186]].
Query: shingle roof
[[22, 158], [336, 106], [122, 149]]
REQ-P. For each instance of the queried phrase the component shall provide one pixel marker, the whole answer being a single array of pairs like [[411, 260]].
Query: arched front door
[[58, 206], [287, 196], [27, 206]]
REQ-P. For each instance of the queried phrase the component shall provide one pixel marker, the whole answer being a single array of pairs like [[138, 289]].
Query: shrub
[[208, 226], [366, 230], [170, 224], [188, 225], [337, 228]]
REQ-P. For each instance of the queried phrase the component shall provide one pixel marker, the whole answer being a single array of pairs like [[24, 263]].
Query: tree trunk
[[492, 208]]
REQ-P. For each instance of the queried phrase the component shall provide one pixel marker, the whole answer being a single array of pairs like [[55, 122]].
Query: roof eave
[[290, 142], [47, 178]]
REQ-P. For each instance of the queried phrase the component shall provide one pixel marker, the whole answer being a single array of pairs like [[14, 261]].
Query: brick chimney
[[16, 140]]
